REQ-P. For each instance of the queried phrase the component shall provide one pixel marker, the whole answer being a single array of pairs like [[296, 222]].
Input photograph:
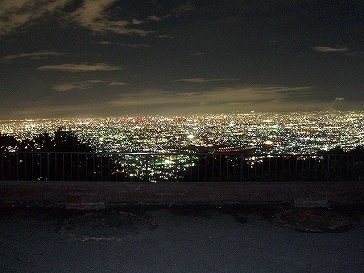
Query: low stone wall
[[181, 192]]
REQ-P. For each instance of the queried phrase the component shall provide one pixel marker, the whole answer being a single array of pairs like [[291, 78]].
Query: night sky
[[67, 58]]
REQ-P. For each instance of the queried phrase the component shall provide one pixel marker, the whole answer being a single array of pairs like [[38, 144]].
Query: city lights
[[291, 133]]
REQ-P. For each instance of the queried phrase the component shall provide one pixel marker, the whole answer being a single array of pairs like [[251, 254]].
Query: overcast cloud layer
[[63, 58]]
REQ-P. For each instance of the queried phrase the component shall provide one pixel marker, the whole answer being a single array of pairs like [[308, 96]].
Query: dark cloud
[[80, 67], [17, 13], [100, 57], [75, 85], [202, 80], [330, 49], [124, 45], [33, 55]]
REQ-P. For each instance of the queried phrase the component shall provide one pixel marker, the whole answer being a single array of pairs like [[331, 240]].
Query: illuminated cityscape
[[181, 136], [291, 133]]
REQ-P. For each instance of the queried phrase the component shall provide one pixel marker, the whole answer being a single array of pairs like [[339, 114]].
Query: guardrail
[[179, 167]]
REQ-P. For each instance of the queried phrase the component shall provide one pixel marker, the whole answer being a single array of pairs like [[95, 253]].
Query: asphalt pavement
[[183, 238]]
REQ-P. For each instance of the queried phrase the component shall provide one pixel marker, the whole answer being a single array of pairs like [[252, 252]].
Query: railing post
[[198, 168], [101, 167], [55, 166], [78, 166], [206, 167], [25, 166], [108, 168], [341, 167], [63, 166], [2, 166], [86, 168], [40, 166], [146, 168], [71, 166], [17, 166], [241, 168], [309, 168], [48, 163], [255, 169], [93, 167], [296, 170], [269, 170], [262, 171], [282, 170], [276, 168], [328, 168], [9, 165], [32, 166]]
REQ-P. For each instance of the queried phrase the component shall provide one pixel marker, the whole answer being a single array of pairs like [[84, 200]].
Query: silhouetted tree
[[63, 141], [26, 145], [7, 159], [7, 142], [59, 157]]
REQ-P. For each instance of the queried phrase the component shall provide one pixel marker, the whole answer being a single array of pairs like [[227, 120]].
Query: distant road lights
[[268, 142]]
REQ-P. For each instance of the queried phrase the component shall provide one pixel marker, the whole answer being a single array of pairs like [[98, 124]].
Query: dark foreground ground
[[170, 239]]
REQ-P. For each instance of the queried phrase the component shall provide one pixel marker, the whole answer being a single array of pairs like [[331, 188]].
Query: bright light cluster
[[297, 132]]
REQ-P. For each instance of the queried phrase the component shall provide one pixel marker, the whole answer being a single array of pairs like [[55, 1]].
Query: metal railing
[[188, 167]]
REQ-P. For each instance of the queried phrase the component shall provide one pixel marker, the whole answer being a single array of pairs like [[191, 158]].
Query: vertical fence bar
[[71, 167], [322, 169], [262, 176], [353, 165], [55, 166], [309, 168], [269, 169], [108, 168], [341, 168], [206, 168], [78, 166], [225, 176], [197, 166], [9, 166], [63, 167], [86, 166], [48, 173], [234, 165], [296, 168], [255, 169], [241, 168], [228, 160], [32, 167], [101, 168], [248, 162], [315, 172], [328, 168], [348, 167], [40, 166], [93, 167], [282, 170], [289, 175], [17, 166], [146, 168], [25, 166], [2, 166], [276, 168]]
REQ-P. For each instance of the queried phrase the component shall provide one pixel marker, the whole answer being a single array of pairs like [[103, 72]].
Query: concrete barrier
[[180, 192]]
